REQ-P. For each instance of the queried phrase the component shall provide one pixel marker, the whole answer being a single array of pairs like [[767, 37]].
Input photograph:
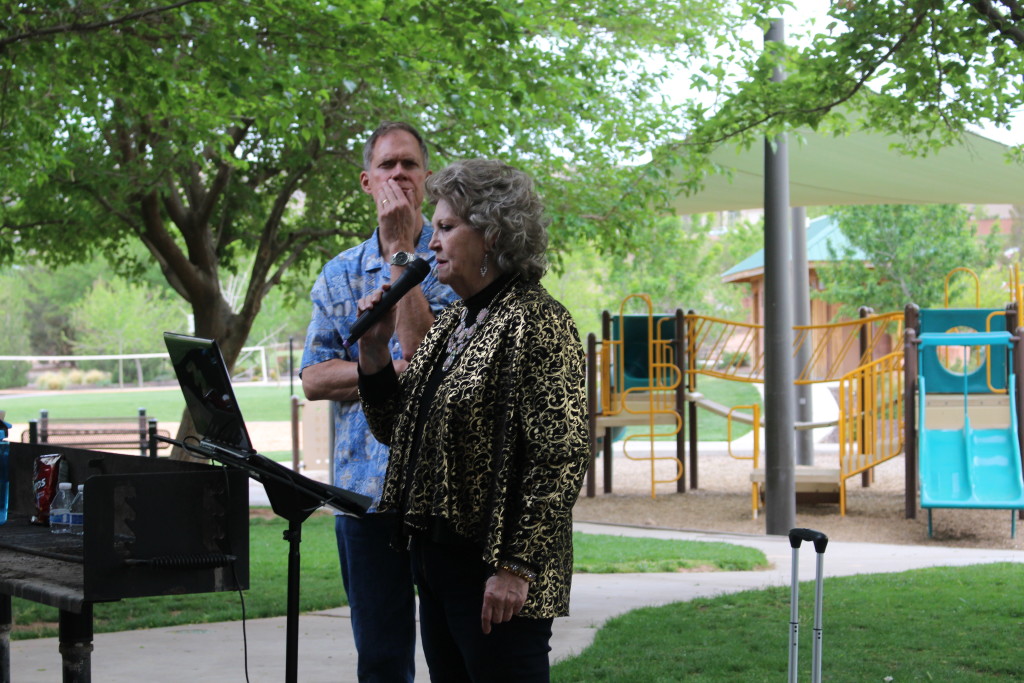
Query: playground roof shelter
[[862, 168], [823, 238]]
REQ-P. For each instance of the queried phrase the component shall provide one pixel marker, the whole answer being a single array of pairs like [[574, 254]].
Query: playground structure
[[648, 375], [645, 370], [966, 438], [855, 356], [640, 386]]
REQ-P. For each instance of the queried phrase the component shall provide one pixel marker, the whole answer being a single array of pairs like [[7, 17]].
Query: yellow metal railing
[[722, 348], [652, 455], [663, 372], [836, 345], [1016, 290], [755, 489], [871, 424], [977, 285], [988, 353], [731, 350]]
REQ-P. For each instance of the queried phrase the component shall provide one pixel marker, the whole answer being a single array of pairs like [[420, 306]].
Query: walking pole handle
[[797, 536]]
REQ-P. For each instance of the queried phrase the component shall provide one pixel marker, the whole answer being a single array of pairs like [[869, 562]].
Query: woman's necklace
[[460, 337]]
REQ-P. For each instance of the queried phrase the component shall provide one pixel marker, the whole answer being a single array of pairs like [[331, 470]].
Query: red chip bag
[[46, 472]]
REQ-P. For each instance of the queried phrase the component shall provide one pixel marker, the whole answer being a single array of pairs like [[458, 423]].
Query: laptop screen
[[204, 381]]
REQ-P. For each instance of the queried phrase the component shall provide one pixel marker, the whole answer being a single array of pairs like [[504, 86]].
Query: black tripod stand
[[295, 505], [293, 497]]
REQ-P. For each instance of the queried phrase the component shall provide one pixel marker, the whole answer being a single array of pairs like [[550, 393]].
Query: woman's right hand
[[504, 597], [374, 352]]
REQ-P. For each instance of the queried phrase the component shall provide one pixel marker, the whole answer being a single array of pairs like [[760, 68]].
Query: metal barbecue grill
[[153, 526]]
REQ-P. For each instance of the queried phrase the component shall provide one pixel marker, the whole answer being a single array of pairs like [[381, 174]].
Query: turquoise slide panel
[[973, 469], [995, 466], [945, 319], [945, 477], [969, 468]]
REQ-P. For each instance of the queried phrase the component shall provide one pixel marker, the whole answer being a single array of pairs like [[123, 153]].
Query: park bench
[[99, 433]]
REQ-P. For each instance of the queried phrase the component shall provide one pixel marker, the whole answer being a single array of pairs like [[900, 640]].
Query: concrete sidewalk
[[216, 652]]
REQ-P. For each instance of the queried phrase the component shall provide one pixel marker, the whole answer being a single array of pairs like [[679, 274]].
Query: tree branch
[[267, 253], [1000, 22], [75, 27], [295, 248], [175, 207], [828, 106], [162, 245], [204, 209]]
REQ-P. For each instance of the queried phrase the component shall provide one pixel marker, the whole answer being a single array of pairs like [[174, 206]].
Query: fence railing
[[257, 361], [734, 350], [871, 426]]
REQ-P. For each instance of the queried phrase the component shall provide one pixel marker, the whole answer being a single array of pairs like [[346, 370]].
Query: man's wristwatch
[[402, 258]]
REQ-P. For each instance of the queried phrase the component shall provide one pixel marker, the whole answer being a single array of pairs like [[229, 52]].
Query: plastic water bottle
[[60, 509], [77, 516], [4, 454]]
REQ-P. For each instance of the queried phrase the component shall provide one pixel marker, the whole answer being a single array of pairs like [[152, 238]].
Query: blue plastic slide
[[967, 467]]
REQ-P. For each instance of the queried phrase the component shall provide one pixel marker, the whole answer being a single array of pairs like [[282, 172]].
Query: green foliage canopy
[[226, 136], [119, 317], [901, 254], [678, 263], [921, 69]]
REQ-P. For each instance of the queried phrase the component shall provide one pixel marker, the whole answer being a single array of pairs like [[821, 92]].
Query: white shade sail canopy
[[863, 168]]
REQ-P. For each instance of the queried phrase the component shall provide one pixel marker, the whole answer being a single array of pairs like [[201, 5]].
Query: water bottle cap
[[66, 485]]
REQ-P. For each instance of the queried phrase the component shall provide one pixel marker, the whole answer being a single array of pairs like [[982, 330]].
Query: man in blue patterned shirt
[[377, 579]]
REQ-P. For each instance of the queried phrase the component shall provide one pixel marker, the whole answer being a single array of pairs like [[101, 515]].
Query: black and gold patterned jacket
[[503, 449]]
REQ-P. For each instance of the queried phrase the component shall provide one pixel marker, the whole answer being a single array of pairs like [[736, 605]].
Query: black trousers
[[450, 579]]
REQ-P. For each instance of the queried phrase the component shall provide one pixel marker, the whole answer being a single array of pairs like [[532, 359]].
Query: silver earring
[[483, 268]]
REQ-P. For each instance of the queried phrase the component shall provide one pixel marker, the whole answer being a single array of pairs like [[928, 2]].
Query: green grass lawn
[[711, 427], [273, 403], [602, 554], [321, 578], [939, 624], [942, 624], [258, 403]]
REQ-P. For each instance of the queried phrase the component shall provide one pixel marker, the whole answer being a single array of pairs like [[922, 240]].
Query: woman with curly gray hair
[[488, 433], [500, 203]]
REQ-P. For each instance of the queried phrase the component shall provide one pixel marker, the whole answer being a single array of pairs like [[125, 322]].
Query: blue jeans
[[378, 582], [450, 578]]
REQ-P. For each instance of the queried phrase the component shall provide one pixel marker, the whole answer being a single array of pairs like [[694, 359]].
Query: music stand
[[204, 381]]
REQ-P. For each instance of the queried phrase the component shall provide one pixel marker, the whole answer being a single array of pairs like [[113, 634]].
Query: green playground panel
[[941, 380], [635, 343]]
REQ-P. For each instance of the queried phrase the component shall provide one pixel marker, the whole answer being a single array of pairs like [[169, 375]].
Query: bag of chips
[[46, 472]]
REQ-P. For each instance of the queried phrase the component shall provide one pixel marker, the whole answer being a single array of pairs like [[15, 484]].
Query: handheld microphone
[[414, 274]]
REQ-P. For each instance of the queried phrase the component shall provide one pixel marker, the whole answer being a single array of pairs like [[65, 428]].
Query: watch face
[[401, 258]]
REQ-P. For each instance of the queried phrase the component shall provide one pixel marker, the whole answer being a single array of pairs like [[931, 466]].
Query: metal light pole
[[780, 485], [802, 316]]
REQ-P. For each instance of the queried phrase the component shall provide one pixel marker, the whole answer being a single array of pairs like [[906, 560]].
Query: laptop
[[210, 400]]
